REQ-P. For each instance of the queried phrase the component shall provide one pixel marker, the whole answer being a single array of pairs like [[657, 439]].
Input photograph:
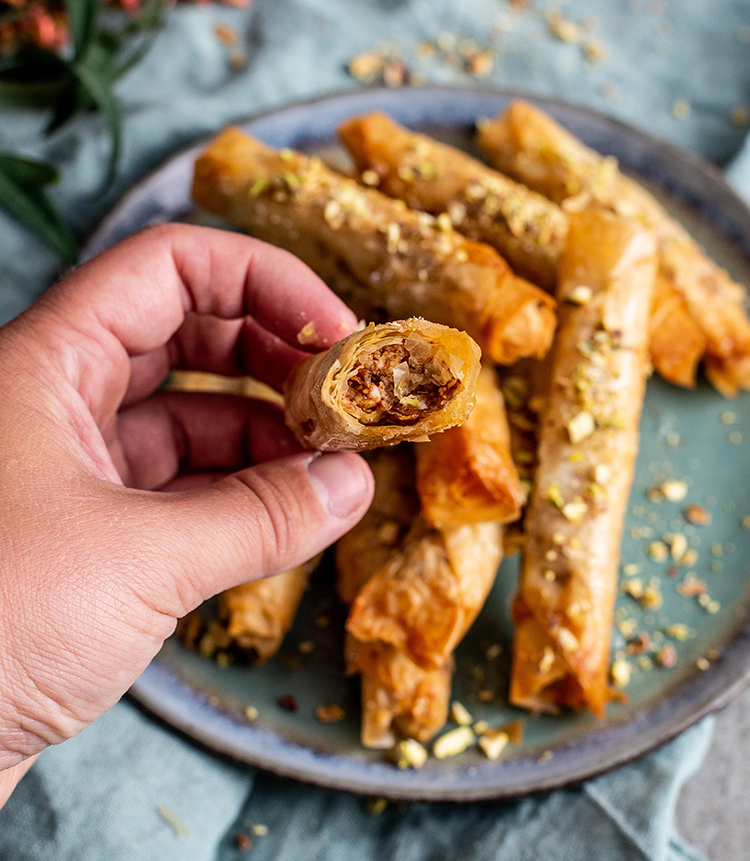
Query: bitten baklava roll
[[530, 146], [524, 226], [385, 260], [588, 443], [381, 385], [467, 474]]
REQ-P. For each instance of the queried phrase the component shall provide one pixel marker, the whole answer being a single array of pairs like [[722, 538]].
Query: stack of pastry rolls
[[450, 256]]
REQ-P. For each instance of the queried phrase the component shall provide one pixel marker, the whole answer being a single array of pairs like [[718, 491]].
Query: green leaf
[[73, 99], [100, 91], [15, 94], [82, 17], [26, 201], [27, 172]]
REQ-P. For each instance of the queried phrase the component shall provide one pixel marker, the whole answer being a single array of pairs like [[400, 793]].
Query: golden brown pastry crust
[[528, 145], [385, 260], [589, 440], [382, 385]]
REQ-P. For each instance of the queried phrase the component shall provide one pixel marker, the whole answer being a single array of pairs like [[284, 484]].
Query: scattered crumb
[[681, 110], [288, 702], [251, 713], [331, 713], [375, 806], [697, 514], [739, 116], [171, 820]]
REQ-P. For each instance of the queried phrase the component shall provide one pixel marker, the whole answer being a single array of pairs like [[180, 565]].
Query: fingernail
[[340, 482]]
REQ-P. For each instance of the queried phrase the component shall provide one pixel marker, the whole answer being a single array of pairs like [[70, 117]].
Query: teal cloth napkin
[[127, 788]]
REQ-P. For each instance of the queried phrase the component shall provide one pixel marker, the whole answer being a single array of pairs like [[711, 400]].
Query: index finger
[[141, 288]]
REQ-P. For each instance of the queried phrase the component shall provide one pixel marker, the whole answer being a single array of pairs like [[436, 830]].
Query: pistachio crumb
[[410, 754], [621, 672], [460, 714], [493, 743], [674, 491], [581, 426], [453, 742], [580, 295]]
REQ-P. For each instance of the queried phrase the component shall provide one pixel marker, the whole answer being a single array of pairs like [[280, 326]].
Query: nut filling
[[399, 384]]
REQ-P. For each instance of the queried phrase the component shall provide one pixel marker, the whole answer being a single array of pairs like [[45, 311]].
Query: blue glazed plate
[[693, 436]]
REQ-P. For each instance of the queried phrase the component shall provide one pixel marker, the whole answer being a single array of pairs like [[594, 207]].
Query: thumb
[[258, 522]]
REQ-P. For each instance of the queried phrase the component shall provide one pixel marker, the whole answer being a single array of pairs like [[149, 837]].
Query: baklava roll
[[530, 146], [564, 608], [524, 226], [424, 599], [399, 698], [467, 474], [257, 615], [385, 260], [381, 385]]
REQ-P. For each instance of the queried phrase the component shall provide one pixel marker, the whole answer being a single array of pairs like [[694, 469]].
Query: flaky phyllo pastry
[[383, 384], [414, 592], [700, 310], [467, 474], [385, 260], [525, 227], [588, 443], [257, 615]]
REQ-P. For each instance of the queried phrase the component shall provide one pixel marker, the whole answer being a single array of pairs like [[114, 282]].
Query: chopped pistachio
[[621, 672], [677, 545], [580, 295], [493, 743], [678, 631], [652, 597], [602, 473], [702, 664], [259, 830], [631, 569], [251, 713], [370, 177], [574, 511], [460, 714], [547, 659], [376, 806], [480, 726], [690, 557], [634, 588], [554, 495], [658, 551], [410, 754], [674, 491], [444, 222], [549, 575], [453, 742], [581, 426], [567, 639]]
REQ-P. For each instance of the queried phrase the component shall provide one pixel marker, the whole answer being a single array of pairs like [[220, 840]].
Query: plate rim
[[715, 690]]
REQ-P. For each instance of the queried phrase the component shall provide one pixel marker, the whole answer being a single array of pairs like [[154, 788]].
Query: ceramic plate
[[693, 436]]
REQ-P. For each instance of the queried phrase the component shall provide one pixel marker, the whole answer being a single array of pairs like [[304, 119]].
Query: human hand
[[97, 565]]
